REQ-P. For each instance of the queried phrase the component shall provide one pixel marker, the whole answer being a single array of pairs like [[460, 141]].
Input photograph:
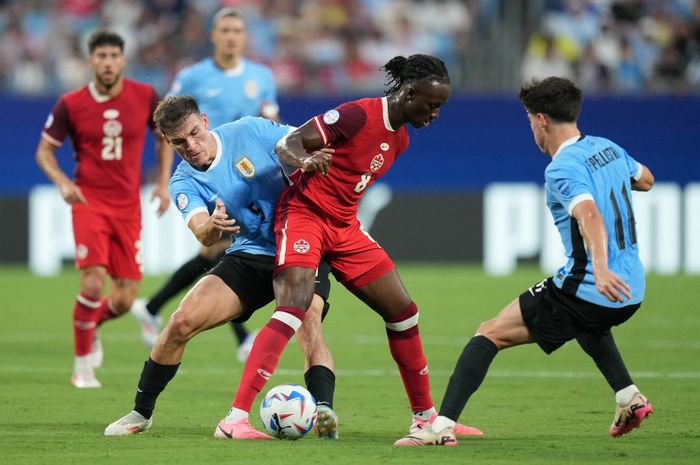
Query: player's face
[[107, 62], [229, 36], [537, 131], [191, 141], [424, 101]]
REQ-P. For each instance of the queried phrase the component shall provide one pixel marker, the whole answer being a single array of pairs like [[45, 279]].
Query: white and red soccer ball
[[288, 411]]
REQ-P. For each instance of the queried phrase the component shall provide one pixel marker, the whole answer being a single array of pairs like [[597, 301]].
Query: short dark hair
[[414, 68], [173, 110], [102, 38], [556, 97], [225, 13]]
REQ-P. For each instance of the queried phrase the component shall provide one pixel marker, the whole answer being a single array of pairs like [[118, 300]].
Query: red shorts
[[114, 243], [303, 238]]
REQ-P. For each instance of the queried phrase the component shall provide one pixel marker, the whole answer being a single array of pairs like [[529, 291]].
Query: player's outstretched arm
[[595, 236], [165, 155], [46, 159], [208, 229], [303, 148], [645, 181]]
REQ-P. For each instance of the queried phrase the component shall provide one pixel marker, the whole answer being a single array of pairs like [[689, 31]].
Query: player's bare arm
[[596, 238], [645, 181], [46, 159], [303, 148], [208, 229], [164, 153]]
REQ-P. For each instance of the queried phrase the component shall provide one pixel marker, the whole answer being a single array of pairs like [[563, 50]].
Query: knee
[[121, 305], [181, 327], [489, 330]]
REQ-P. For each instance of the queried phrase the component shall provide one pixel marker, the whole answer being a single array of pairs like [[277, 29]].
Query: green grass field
[[532, 408]]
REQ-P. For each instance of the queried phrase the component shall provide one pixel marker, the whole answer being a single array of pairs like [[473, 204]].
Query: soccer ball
[[288, 411]]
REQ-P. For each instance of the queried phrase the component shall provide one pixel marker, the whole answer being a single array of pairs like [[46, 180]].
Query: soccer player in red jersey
[[107, 121], [316, 218]]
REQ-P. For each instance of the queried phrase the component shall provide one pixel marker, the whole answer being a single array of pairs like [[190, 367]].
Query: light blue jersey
[[245, 175], [594, 168], [227, 95]]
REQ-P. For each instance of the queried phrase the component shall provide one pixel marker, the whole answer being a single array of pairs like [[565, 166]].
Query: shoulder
[[258, 68]]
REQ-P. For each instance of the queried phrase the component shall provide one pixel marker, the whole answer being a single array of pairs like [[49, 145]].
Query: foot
[[246, 345], [326, 423], [630, 416], [84, 374], [96, 353], [131, 423], [150, 324], [459, 429], [427, 437], [240, 429]]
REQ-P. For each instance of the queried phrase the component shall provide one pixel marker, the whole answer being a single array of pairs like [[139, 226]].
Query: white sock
[[624, 396], [440, 423], [425, 414], [82, 364], [235, 414]]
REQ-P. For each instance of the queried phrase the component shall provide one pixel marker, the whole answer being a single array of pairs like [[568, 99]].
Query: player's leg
[[210, 303], [631, 406], [507, 329], [319, 369], [86, 314]]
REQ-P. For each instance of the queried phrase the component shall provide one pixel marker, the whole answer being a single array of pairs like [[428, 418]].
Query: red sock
[[406, 348], [106, 311], [85, 314], [265, 353]]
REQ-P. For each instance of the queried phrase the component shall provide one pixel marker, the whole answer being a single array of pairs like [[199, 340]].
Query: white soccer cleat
[[131, 423], [426, 436], [150, 324], [326, 423], [84, 374], [96, 353], [244, 349]]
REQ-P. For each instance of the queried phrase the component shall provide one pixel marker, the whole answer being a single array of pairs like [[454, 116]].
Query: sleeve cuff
[[640, 170], [577, 200]]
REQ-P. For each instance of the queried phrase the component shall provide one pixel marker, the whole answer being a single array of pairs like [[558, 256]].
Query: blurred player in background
[[316, 218], [227, 87], [228, 186], [588, 188], [107, 122]]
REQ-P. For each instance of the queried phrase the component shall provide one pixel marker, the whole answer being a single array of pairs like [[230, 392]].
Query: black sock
[[179, 281], [154, 378], [240, 332], [320, 381], [470, 371], [603, 350]]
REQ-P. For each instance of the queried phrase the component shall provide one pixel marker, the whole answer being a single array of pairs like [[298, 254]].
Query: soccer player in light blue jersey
[[227, 87], [588, 187], [228, 185]]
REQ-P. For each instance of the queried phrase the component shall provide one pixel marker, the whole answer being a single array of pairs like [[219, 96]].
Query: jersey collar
[[219, 151], [236, 70], [565, 144], [99, 98], [385, 114]]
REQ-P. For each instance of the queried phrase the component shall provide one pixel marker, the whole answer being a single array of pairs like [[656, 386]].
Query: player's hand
[[71, 193], [318, 161], [161, 193], [612, 286], [221, 221]]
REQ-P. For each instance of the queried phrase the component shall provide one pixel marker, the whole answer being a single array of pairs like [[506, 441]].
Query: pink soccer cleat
[[239, 429], [459, 429], [425, 436], [630, 416]]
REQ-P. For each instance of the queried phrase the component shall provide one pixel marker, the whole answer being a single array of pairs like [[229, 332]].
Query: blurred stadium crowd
[[337, 46]]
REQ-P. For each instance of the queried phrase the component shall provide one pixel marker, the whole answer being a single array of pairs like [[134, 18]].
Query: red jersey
[[108, 136], [365, 148]]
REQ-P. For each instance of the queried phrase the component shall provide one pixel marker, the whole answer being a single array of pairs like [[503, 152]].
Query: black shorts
[[250, 277], [554, 317]]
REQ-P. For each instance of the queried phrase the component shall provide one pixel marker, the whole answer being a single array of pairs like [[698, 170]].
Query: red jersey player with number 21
[[316, 219], [107, 122]]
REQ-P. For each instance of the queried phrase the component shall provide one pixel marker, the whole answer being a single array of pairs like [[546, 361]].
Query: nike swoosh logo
[[228, 435], [264, 374]]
